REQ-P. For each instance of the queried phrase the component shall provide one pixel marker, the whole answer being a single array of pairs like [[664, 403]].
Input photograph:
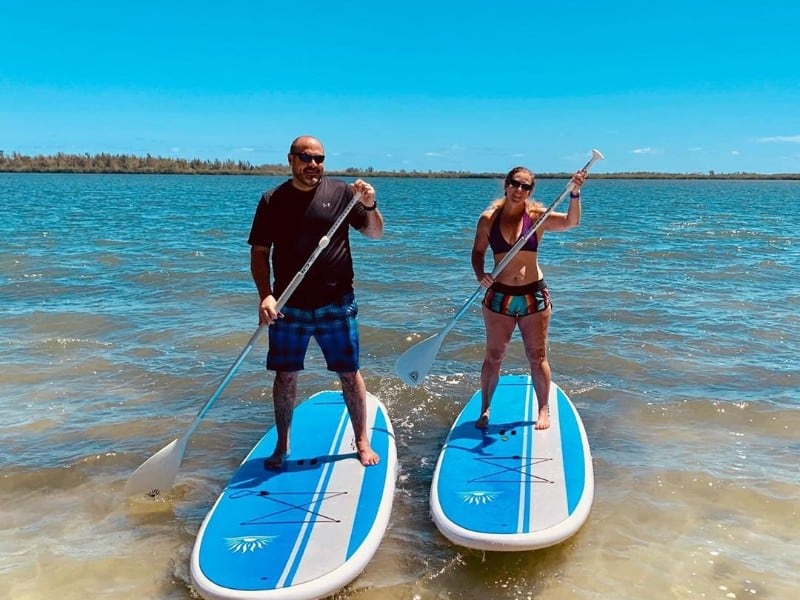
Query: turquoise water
[[126, 299]]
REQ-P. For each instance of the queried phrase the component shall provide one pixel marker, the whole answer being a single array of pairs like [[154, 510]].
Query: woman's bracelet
[[574, 195]]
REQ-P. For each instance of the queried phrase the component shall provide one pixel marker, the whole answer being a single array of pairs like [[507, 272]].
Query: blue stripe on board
[[530, 397], [372, 487], [328, 473], [574, 460]]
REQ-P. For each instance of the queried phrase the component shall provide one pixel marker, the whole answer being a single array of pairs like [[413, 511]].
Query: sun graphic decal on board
[[479, 497], [248, 543]]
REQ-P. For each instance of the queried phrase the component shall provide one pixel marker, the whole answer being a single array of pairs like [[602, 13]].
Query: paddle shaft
[[596, 155], [284, 297]]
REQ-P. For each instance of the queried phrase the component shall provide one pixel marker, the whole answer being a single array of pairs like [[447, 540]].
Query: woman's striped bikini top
[[498, 242]]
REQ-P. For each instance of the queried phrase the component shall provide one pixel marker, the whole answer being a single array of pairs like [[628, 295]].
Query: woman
[[519, 296]]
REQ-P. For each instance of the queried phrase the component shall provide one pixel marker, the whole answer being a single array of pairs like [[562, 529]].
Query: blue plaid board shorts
[[334, 327]]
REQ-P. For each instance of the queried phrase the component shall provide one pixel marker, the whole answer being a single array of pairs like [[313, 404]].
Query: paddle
[[158, 472], [414, 364]]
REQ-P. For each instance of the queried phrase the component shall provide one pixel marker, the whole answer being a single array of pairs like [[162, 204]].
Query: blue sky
[[680, 86]]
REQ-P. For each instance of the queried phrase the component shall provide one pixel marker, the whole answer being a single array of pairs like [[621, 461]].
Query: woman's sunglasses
[[519, 185]]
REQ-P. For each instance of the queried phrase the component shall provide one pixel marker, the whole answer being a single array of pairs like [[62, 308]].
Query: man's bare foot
[[483, 421], [543, 421], [275, 462], [366, 454]]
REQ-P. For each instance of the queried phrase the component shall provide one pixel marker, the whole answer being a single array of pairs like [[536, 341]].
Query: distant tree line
[[127, 163]]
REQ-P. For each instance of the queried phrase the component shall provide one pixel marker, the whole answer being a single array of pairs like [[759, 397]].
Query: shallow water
[[126, 299]]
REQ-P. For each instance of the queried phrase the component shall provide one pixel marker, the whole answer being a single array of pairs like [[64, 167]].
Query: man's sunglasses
[[519, 185], [307, 158]]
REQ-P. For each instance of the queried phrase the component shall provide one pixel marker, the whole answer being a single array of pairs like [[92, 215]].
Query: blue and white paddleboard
[[512, 487], [309, 529]]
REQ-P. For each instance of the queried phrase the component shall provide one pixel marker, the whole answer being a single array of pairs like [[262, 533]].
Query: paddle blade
[[414, 364], [157, 474]]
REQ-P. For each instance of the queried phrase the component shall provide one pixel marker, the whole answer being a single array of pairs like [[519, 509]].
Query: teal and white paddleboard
[[309, 529], [512, 487]]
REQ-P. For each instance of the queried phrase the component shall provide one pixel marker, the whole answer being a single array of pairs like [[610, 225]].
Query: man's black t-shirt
[[292, 222]]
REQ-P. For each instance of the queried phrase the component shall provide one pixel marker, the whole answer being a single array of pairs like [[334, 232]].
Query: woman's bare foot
[[366, 454], [483, 421], [543, 421]]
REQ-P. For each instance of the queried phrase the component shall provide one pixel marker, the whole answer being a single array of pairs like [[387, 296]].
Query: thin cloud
[[646, 151], [448, 151], [792, 139]]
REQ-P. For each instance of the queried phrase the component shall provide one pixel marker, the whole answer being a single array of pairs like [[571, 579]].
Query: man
[[289, 222]]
